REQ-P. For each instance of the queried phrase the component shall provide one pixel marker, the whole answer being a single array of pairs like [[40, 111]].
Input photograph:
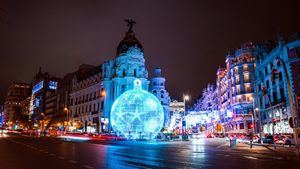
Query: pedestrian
[[251, 139]]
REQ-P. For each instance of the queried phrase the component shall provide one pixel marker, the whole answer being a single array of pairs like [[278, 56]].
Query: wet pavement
[[19, 152]]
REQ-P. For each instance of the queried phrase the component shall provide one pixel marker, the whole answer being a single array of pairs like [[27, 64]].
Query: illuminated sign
[[37, 87], [36, 102], [52, 85]]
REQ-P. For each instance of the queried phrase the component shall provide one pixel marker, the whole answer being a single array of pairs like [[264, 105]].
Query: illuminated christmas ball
[[137, 114]]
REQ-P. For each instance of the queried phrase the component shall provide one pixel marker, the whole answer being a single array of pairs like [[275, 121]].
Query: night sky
[[187, 39]]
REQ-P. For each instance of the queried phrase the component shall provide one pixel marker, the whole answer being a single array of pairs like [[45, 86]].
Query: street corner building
[[277, 64]]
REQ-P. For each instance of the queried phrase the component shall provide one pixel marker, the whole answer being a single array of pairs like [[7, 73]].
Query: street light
[[292, 105], [68, 119], [185, 98]]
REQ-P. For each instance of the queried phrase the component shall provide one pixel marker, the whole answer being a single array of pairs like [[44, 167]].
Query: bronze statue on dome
[[130, 24]]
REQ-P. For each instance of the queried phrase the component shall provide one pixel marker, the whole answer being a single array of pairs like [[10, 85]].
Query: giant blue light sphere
[[137, 114]]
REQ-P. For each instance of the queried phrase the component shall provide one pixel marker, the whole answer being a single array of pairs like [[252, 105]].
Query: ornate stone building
[[157, 87], [235, 90], [208, 100], [118, 74], [87, 102], [271, 88]]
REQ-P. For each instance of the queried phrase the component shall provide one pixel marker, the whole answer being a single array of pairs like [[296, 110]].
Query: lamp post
[[292, 105], [42, 115], [68, 119], [102, 123], [257, 109], [185, 98]]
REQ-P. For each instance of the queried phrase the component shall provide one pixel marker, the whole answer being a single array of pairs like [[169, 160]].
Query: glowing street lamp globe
[[137, 114]]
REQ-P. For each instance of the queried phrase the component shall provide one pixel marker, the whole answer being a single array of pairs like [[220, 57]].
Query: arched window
[[154, 92]]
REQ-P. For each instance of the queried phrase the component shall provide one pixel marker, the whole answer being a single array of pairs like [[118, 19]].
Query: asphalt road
[[19, 152]]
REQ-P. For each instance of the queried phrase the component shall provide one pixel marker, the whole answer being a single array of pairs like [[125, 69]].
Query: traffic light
[[275, 73], [264, 91], [250, 126]]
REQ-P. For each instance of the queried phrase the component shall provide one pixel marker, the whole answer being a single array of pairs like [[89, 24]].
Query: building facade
[[118, 74], [271, 89], [157, 87], [208, 100], [87, 101], [2, 117], [235, 90], [44, 92], [17, 92]]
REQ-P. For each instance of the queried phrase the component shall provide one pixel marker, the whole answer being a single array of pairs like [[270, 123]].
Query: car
[[210, 135], [290, 140], [269, 139], [280, 139], [3, 130]]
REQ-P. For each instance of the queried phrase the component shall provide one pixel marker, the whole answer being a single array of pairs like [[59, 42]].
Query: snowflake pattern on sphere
[[137, 114]]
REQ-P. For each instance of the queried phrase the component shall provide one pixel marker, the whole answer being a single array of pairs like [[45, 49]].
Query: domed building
[[119, 74]]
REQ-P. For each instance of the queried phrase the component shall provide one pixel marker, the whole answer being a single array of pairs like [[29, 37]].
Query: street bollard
[[251, 143]]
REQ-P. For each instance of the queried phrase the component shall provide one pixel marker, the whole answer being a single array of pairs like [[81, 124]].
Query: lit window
[[245, 67]]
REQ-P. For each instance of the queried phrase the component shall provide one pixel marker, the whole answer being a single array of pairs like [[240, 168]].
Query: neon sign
[[37, 87], [52, 85]]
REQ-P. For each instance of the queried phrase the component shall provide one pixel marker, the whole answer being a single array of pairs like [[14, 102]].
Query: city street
[[20, 152]]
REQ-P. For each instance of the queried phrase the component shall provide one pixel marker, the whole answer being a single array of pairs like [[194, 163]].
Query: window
[[236, 70], [282, 94], [266, 70], [245, 67], [275, 97], [134, 72], [247, 87], [246, 78], [242, 126], [102, 105], [280, 76], [123, 72], [271, 65]]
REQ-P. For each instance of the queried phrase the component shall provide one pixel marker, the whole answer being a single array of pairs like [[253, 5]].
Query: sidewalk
[[287, 153]]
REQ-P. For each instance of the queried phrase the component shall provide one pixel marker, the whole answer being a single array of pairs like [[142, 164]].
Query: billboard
[[37, 87]]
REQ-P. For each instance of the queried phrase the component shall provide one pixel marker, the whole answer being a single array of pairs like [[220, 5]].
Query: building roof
[[128, 41]]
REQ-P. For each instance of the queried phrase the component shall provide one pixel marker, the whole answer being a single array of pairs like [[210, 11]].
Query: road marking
[[250, 157], [52, 154], [227, 155], [72, 161], [88, 166], [222, 145]]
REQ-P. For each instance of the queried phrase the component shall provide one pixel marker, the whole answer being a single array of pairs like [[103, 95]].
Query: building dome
[[137, 114], [128, 41]]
